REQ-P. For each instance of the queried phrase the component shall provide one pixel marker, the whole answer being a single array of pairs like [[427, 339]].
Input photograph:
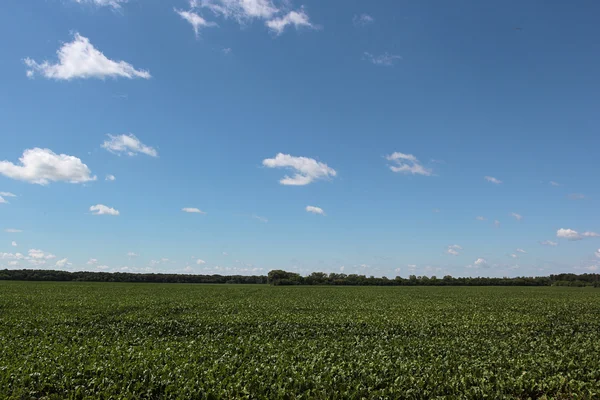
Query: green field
[[111, 340]]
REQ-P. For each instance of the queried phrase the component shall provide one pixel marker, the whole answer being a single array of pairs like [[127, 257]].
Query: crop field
[[167, 341]]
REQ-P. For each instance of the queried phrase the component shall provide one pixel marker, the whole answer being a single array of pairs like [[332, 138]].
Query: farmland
[[122, 340]]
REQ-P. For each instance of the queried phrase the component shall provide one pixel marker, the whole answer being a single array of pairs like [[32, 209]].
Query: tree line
[[280, 277]]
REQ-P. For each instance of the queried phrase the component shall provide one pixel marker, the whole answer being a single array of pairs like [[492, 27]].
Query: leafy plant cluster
[[150, 341]]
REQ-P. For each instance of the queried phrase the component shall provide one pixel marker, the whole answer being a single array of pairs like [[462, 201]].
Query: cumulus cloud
[[549, 243], [79, 59], [110, 178], [40, 255], [14, 244], [518, 217], [492, 179], [453, 250], [590, 234], [362, 20], [42, 166], [12, 230], [407, 164], [481, 262], [116, 4], [315, 210], [101, 209], [293, 18], [306, 170], [386, 59], [569, 234], [193, 210], [127, 144], [195, 20], [131, 254], [92, 261], [63, 263], [200, 262]]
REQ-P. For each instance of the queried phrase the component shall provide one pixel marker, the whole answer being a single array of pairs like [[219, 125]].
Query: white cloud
[[315, 210], [92, 261], [226, 50], [192, 210], [407, 164], [200, 262], [241, 10], [521, 251], [12, 230], [79, 59], [554, 183], [480, 218], [518, 217], [110, 178], [7, 194], [11, 256], [125, 268], [131, 254], [188, 269], [42, 166], [481, 262], [259, 218], [549, 243], [225, 253], [40, 255], [293, 18], [103, 267], [453, 250], [2, 201], [62, 263], [195, 20], [362, 20], [576, 196], [306, 169], [597, 253], [496, 223], [14, 244], [492, 179], [116, 4], [569, 234], [386, 59], [590, 234], [101, 209], [127, 144], [411, 266], [514, 256]]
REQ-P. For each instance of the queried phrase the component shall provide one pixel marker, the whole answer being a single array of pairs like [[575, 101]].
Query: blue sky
[[386, 116]]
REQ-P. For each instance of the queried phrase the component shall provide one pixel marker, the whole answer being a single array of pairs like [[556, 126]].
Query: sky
[[238, 136]]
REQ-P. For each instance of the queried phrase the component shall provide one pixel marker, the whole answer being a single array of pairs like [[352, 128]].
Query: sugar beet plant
[[152, 341]]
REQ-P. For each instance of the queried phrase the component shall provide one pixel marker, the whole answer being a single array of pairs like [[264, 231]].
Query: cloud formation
[[79, 59], [518, 217], [192, 210], [386, 59], [453, 250], [492, 179], [195, 20], [315, 210], [362, 20], [306, 170], [12, 230], [116, 4], [293, 18], [101, 209], [571, 234], [549, 243], [110, 178], [42, 166], [407, 164], [127, 144]]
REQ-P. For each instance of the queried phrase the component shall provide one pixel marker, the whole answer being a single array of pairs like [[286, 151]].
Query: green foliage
[[161, 341]]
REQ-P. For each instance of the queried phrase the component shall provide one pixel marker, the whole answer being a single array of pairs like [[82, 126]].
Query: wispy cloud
[[192, 210], [195, 20], [306, 170], [492, 179], [7, 194], [315, 210], [101, 209], [42, 166], [79, 59], [362, 20], [110, 178], [576, 196], [296, 19], [516, 216], [385, 59], [496, 223], [453, 250], [407, 164], [548, 243], [521, 251], [116, 4], [127, 144], [259, 218], [12, 230], [480, 218], [554, 183]]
